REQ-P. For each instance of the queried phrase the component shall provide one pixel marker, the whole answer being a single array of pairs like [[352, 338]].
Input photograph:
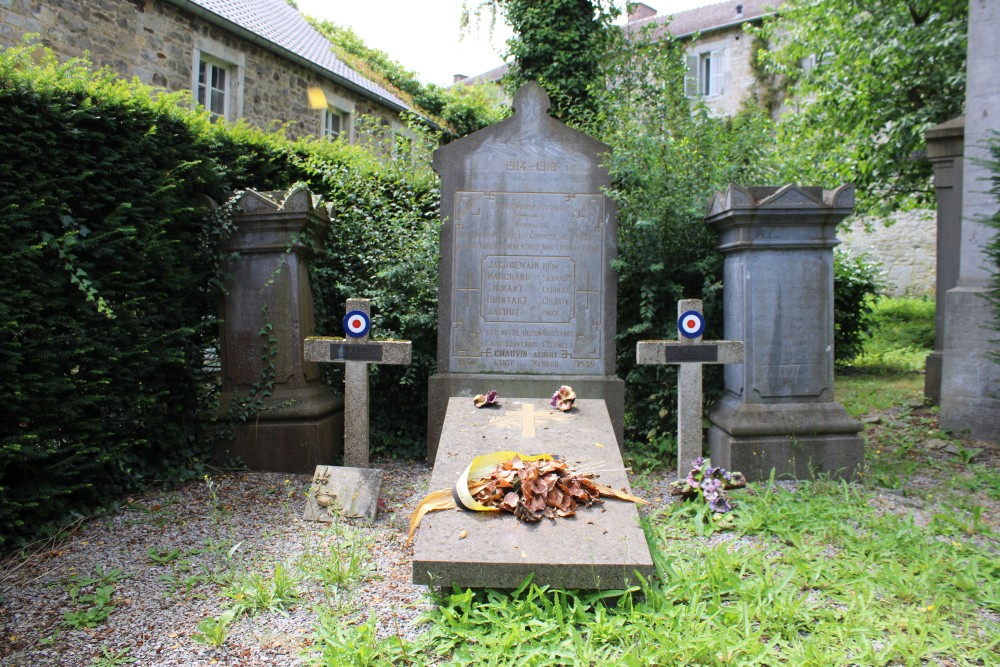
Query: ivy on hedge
[[111, 270]]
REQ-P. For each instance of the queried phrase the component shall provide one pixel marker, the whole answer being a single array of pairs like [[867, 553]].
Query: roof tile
[[281, 24]]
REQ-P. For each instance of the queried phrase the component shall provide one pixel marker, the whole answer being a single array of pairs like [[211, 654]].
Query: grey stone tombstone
[[526, 293], [527, 304], [354, 489], [778, 410], [267, 285], [690, 352], [970, 379], [945, 147]]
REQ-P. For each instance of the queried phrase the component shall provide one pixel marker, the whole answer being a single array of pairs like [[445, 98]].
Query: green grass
[[889, 371], [819, 575], [902, 338], [815, 576]]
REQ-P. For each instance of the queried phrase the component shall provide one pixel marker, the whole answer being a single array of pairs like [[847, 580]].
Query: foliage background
[[107, 297]]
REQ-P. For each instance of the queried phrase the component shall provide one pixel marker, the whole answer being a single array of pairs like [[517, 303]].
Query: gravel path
[[240, 524]]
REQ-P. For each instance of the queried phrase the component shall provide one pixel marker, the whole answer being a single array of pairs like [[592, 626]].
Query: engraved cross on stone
[[690, 352], [356, 353]]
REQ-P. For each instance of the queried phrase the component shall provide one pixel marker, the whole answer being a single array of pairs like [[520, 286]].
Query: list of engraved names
[[527, 284]]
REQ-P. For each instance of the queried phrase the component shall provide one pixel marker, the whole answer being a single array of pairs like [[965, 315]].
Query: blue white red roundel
[[691, 324], [356, 324]]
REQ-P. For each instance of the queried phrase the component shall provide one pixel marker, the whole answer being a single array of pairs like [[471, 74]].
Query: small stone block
[[351, 493], [601, 547]]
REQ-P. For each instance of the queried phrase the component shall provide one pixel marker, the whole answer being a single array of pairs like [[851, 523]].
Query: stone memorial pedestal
[[602, 547], [945, 148], [301, 422], [778, 410]]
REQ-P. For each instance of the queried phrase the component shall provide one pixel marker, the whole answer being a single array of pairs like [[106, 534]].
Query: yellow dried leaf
[[597, 444], [621, 495], [438, 500]]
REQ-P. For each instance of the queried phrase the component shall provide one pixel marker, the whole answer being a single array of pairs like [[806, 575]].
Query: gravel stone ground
[[246, 523]]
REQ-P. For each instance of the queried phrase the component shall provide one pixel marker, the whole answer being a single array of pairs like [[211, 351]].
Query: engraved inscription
[[692, 353], [527, 283], [355, 352]]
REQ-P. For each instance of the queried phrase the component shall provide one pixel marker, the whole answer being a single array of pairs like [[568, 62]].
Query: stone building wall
[[157, 42], [906, 249], [739, 80]]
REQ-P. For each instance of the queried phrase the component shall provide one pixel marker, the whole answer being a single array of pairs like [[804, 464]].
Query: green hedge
[[110, 268]]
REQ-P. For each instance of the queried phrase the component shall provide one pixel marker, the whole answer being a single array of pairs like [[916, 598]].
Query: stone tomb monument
[[527, 304], [526, 291], [352, 490]]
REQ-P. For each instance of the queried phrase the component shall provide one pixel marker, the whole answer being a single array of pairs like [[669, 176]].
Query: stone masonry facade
[[906, 249], [158, 42]]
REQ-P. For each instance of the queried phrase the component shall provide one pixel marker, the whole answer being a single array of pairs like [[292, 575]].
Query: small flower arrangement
[[563, 399], [489, 399], [711, 483]]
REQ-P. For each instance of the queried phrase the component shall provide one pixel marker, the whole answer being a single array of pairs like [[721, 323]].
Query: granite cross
[[356, 352], [690, 352]]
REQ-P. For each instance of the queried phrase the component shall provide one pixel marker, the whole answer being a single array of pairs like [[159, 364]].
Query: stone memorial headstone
[[301, 421], [527, 292], [356, 352], [778, 410], [690, 352], [526, 305]]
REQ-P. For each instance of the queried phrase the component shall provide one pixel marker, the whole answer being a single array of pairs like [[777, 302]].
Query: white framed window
[[337, 119], [213, 87], [335, 124], [707, 71], [217, 78]]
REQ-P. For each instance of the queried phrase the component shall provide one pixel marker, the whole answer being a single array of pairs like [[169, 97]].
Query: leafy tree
[[883, 73], [560, 44], [668, 155]]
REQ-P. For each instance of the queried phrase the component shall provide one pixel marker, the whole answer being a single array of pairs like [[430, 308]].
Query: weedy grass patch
[[806, 573]]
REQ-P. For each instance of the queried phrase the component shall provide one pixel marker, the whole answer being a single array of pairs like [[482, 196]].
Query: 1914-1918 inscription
[[527, 283]]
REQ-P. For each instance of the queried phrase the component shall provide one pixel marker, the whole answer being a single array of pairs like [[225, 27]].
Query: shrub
[[107, 297], [856, 283]]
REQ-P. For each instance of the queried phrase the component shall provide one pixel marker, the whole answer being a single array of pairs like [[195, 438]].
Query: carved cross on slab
[[690, 352], [355, 351]]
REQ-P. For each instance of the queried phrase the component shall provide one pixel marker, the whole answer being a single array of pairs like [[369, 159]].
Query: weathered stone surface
[[970, 380], [356, 353], [343, 493], [300, 421], [779, 409], [526, 285], [602, 547]]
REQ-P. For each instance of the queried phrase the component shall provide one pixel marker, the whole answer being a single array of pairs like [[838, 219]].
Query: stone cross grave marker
[[690, 352], [352, 490]]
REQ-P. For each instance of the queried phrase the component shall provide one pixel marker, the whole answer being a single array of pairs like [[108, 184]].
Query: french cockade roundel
[[356, 324], [691, 324]]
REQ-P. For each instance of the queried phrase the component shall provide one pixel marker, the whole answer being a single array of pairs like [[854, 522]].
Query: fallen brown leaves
[[533, 490]]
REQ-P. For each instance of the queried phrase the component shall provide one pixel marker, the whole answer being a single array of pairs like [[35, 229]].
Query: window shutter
[[719, 68], [691, 78]]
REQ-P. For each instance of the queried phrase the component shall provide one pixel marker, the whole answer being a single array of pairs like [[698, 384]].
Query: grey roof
[[279, 27], [708, 18]]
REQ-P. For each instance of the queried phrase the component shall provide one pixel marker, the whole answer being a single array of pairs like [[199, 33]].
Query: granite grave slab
[[601, 547]]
